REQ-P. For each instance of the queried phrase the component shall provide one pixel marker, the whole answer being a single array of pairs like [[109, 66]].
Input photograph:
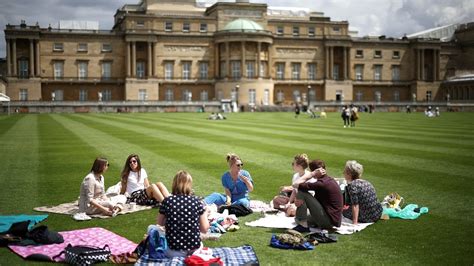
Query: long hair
[[182, 183], [231, 158], [98, 166], [126, 171]]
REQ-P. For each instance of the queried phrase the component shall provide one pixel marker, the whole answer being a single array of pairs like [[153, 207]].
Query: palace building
[[249, 53]]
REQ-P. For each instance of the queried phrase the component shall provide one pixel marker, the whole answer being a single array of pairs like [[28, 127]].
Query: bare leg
[[157, 191]]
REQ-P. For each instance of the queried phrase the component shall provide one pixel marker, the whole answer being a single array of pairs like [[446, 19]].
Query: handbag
[[85, 255]]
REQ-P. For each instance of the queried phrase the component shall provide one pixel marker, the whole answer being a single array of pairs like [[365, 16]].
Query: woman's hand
[[318, 172]]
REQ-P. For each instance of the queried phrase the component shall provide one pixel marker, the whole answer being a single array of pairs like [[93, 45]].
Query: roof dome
[[243, 25]]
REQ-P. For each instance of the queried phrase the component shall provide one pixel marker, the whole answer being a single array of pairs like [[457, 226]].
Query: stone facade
[[253, 54]]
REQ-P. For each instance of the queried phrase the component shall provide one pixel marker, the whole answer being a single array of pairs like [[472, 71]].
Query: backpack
[[155, 245], [85, 255]]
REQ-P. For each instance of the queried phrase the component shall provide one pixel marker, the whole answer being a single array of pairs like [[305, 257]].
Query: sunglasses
[[240, 165], [133, 161]]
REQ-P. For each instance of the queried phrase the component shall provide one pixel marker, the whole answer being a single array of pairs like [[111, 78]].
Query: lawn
[[429, 161]]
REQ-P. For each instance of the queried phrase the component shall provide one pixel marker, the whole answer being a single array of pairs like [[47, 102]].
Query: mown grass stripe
[[117, 150], [20, 160]]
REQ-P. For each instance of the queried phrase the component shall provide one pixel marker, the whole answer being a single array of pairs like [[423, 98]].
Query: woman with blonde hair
[[237, 184], [135, 184], [92, 198], [184, 217], [360, 196], [285, 200]]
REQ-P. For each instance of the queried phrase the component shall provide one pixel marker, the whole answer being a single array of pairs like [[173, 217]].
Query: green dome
[[243, 25]]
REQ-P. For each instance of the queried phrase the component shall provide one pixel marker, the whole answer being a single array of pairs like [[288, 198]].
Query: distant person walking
[[297, 110], [354, 115], [345, 115]]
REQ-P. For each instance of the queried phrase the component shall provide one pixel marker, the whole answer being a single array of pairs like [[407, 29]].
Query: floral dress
[[363, 193]]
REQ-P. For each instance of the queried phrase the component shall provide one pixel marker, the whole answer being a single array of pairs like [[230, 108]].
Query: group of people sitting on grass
[[185, 216]]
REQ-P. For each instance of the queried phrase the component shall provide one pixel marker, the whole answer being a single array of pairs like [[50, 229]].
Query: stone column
[[32, 59], [127, 59], [344, 63], [331, 62], [217, 61], [9, 59], [37, 59], [326, 70], [149, 60], [243, 63], [269, 60], [348, 62], [438, 57], [14, 58], [422, 64], [258, 59], [134, 60], [417, 68], [227, 59], [153, 59]]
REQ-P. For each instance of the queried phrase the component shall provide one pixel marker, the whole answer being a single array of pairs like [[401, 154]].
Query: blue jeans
[[219, 199]]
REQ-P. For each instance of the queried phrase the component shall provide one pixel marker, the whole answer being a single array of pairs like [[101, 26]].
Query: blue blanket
[[7, 221], [230, 256]]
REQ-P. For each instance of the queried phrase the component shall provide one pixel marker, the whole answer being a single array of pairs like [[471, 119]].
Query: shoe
[[301, 229]]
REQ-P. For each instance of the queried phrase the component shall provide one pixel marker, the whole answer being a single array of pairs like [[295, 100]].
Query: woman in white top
[[285, 200], [135, 183], [92, 199]]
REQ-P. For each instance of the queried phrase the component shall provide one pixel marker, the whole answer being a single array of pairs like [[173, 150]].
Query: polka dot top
[[182, 214]]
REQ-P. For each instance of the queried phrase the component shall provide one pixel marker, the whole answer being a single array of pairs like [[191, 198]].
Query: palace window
[[23, 68], [280, 30], [378, 96], [377, 72], [223, 69], [58, 95], [58, 70], [336, 29], [359, 96], [311, 31], [186, 27], [295, 71], [169, 95], [187, 95], [250, 69], [186, 70], [83, 95], [311, 71], [395, 72], [235, 69], [396, 96], [266, 97], [263, 68], [296, 31], [23, 95], [140, 23], [106, 95], [204, 96], [377, 54], [428, 96], [312, 95], [142, 95], [140, 69], [169, 70], [106, 47], [252, 96], [280, 71], [335, 71], [359, 54], [168, 26], [58, 47], [203, 27], [82, 69], [359, 72], [106, 70], [396, 54], [203, 70], [296, 96], [280, 96], [82, 47]]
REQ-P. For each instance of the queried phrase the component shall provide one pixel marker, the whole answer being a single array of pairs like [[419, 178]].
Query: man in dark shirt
[[325, 207]]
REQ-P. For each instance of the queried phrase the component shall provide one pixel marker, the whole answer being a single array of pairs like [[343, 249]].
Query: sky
[[392, 18]]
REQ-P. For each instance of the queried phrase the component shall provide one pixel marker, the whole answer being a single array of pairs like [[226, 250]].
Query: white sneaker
[[81, 216]]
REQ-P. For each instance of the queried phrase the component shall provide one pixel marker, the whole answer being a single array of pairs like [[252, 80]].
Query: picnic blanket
[[6, 221], [95, 236], [229, 256], [280, 220], [72, 208]]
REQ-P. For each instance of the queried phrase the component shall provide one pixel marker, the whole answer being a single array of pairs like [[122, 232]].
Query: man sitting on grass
[[325, 206]]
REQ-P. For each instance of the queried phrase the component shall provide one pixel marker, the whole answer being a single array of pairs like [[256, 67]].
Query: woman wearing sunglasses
[[237, 185], [135, 184]]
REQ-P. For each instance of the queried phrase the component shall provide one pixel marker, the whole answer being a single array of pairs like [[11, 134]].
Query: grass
[[426, 160]]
